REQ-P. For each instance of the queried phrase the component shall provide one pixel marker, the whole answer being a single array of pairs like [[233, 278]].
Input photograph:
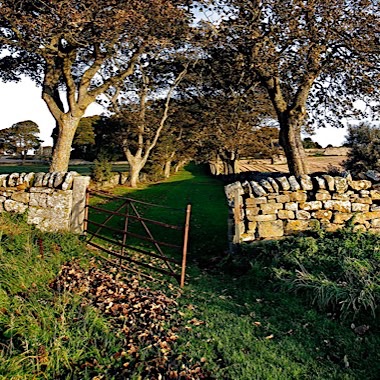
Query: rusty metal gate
[[125, 229]]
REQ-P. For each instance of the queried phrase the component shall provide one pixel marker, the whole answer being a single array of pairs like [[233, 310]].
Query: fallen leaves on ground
[[147, 322]]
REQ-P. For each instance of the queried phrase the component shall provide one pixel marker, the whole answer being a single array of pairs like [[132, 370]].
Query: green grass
[[190, 186]]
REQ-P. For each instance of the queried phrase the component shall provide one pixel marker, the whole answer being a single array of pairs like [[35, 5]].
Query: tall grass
[[42, 334], [338, 271]]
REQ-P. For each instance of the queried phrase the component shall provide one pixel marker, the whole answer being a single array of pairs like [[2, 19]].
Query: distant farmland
[[316, 164]]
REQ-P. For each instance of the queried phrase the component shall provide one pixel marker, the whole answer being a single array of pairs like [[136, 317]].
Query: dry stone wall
[[273, 208], [53, 201]]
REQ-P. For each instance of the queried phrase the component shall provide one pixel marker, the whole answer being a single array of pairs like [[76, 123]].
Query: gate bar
[[185, 243]]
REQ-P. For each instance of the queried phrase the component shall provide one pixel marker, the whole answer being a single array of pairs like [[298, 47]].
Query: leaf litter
[[146, 321]]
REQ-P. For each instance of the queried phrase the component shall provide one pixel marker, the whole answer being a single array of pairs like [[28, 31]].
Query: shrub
[[364, 141], [338, 272], [102, 169]]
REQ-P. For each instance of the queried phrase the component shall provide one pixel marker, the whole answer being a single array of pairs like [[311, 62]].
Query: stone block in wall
[[284, 183], [373, 175], [294, 185], [68, 181], [255, 201], [312, 205], [341, 185], [362, 217], [252, 227], [306, 182], [245, 185], [360, 227], [29, 178], [375, 223], [320, 183], [3, 180], [332, 227], [38, 199], [322, 214], [322, 195], [271, 208], [59, 179], [291, 206], [360, 207], [342, 197], [341, 206], [341, 217], [374, 230], [296, 226], [375, 194], [14, 206], [374, 207], [43, 190], [60, 199], [264, 218], [274, 184], [298, 196], [283, 198], [365, 200], [247, 237], [21, 197], [360, 185], [251, 212], [267, 186], [257, 189], [286, 214], [13, 179], [303, 215], [49, 219], [38, 179], [270, 229], [45, 179], [329, 181]]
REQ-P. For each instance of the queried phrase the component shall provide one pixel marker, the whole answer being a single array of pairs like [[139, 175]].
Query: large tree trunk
[[167, 168], [134, 173], [61, 154], [290, 140], [136, 164]]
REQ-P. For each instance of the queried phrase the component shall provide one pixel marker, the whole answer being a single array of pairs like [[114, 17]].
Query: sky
[[22, 101]]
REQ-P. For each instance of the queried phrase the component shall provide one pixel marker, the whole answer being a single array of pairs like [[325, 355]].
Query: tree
[[304, 54], [139, 120], [227, 108], [84, 138], [308, 143], [86, 47], [20, 138], [364, 141]]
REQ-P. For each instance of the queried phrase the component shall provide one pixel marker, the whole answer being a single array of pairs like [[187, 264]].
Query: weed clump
[[338, 272]]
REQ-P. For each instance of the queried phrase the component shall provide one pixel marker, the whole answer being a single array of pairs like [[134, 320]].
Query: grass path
[[208, 228], [248, 328]]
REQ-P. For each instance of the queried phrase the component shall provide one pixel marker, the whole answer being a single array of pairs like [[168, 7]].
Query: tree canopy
[[308, 55], [20, 138], [85, 47]]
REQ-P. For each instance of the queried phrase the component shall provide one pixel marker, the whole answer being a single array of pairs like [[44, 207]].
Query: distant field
[[316, 164], [28, 167]]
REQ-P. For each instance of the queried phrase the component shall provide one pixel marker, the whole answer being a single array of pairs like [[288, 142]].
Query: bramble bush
[[338, 272]]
